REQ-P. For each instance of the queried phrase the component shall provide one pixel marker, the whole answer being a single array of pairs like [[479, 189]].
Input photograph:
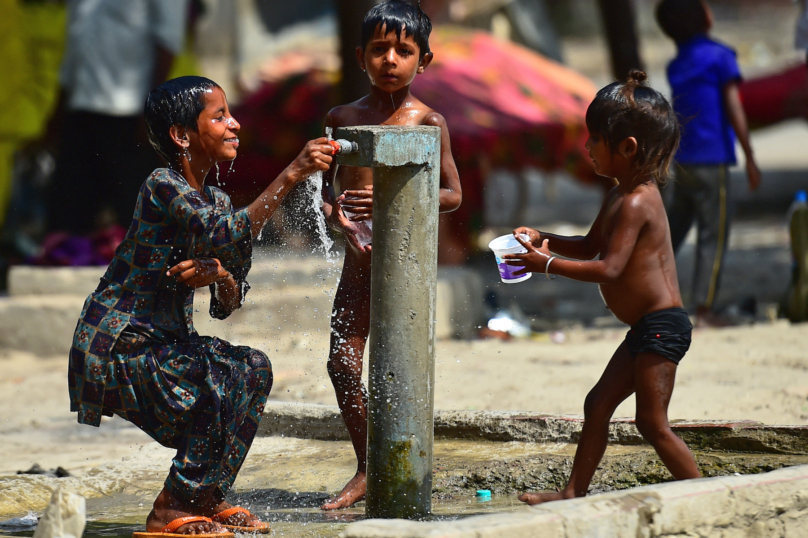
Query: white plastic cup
[[507, 244]]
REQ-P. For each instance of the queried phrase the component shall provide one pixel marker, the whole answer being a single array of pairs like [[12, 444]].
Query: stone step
[[323, 422], [286, 306]]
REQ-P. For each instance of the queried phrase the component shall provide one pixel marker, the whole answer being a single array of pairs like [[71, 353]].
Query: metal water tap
[[340, 146]]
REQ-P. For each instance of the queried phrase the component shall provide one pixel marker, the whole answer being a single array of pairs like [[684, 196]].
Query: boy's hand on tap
[[358, 202], [315, 157]]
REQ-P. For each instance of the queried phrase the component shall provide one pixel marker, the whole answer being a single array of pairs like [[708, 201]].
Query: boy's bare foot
[[167, 508], [539, 498], [352, 493]]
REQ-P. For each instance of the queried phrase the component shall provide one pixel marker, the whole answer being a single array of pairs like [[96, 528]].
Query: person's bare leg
[[167, 508], [615, 385], [654, 376], [350, 325]]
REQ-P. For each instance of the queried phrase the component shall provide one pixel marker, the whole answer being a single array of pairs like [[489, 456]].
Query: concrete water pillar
[[401, 370]]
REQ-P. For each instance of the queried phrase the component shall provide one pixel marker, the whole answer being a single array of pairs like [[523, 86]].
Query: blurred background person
[[704, 79], [115, 53], [31, 45]]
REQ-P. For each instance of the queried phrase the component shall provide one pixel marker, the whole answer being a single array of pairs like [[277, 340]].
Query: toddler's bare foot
[[538, 498], [352, 493], [167, 508]]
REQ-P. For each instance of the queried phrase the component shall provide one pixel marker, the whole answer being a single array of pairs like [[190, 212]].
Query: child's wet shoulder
[[343, 115], [433, 119]]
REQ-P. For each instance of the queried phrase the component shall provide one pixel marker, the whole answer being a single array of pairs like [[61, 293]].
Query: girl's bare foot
[[352, 493], [167, 508], [539, 498]]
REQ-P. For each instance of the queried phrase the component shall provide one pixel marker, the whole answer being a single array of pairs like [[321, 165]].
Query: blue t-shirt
[[697, 76]]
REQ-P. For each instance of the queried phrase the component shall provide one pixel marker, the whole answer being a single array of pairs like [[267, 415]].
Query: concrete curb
[[310, 421], [772, 504]]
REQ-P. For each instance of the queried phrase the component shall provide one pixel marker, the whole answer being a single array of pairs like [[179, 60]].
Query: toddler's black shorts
[[665, 332]]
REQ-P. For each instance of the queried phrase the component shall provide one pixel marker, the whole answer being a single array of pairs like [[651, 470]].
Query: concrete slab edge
[[311, 421], [773, 504]]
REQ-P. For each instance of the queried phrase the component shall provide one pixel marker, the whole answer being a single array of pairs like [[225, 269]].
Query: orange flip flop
[[169, 530], [260, 528]]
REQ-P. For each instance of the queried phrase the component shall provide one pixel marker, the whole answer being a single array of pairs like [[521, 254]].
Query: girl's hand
[[534, 260], [199, 272], [358, 203], [315, 157], [534, 235], [341, 224]]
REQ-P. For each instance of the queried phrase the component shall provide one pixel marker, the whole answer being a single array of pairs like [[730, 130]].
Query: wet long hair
[[178, 101], [625, 109], [397, 16]]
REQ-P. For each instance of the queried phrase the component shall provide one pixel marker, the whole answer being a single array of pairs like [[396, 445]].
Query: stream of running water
[[314, 186]]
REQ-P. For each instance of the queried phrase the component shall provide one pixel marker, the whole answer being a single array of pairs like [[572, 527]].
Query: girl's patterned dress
[[136, 354]]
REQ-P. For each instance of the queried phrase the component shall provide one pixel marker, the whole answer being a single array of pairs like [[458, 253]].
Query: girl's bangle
[[547, 269]]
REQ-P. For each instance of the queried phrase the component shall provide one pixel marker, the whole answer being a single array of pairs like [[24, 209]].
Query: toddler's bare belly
[[629, 304]]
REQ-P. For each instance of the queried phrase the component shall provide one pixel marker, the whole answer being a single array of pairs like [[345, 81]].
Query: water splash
[[219, 183], [314, 186]]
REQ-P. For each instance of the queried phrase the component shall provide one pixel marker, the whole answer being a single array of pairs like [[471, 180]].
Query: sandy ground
[[757, 372]]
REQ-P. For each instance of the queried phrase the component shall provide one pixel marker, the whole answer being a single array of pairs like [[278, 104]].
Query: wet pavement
[[285, 480]]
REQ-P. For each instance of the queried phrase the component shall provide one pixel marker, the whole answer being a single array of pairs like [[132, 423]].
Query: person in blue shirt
[[704, 79]]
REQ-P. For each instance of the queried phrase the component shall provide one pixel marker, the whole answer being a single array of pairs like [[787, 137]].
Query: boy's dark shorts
[[665, 332]]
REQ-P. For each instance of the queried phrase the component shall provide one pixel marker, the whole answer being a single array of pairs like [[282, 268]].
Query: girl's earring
[[187, 154]]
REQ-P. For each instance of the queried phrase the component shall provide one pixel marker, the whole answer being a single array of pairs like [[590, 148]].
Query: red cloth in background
[[776, 97]]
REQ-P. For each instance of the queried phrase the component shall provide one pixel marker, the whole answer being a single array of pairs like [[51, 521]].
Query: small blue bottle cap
[[483, 493], [801, 196]]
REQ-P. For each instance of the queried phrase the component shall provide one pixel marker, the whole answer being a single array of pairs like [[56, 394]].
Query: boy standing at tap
[[704, 79], [395, 48]]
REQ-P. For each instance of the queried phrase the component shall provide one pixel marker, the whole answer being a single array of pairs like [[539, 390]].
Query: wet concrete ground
[[284, 480]]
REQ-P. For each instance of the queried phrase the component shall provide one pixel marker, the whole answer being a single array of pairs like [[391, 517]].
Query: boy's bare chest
[[354, 178]]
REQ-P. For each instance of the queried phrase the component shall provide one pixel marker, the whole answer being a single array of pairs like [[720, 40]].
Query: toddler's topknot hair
[[626, 109]]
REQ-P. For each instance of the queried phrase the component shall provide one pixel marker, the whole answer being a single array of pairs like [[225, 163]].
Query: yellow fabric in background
[[185, 63], [32, 40]]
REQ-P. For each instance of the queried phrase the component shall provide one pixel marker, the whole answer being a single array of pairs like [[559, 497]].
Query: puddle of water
[[120, 516]]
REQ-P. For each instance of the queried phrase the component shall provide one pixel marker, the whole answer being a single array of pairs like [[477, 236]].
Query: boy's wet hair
[[178, 101], [682, 20], [397, 16], [625, 109]]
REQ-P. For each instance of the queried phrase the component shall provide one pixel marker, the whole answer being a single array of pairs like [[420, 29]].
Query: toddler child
[[633, 135]]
